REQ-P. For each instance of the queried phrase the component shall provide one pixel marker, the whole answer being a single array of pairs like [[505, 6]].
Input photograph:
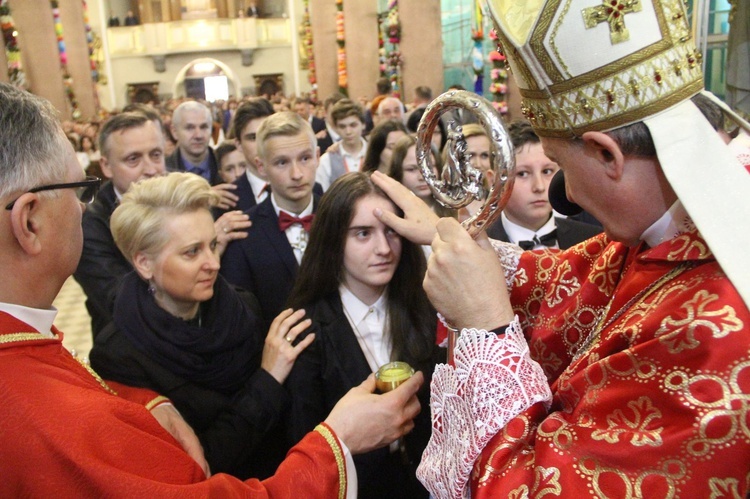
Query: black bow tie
[[547, 240]]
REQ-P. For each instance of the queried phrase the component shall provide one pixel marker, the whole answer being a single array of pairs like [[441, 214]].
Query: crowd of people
[[249, 265]]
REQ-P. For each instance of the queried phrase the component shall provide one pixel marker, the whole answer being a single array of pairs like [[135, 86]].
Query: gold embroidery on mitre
[[639, 84], [721, 406], [702, 312], [636, 424], [613, 13]]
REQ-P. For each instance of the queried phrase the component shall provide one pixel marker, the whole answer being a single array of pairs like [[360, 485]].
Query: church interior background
[[68, 51]]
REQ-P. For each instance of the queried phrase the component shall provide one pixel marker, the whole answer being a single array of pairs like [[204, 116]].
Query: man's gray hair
[[190, 105], [31, 142], [389, 99]]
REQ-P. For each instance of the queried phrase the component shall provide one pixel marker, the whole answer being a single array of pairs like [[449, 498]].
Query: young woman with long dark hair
[[361, 285]]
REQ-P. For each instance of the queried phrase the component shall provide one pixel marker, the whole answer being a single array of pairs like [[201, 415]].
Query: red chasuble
[[651, 392], [64, 434]]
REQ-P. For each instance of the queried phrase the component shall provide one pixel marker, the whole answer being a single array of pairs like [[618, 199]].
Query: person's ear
[[25, 221], [105, 167], [144, 265], [259, 165], [605, 150]]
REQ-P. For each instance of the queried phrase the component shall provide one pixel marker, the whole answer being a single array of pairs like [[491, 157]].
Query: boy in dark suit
[[266, 262], [527, 219]]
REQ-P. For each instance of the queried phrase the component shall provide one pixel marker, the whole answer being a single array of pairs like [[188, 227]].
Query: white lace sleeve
[[494, 380], [509, 254]]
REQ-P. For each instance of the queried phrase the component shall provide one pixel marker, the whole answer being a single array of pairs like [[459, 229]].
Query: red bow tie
[[286, 220]]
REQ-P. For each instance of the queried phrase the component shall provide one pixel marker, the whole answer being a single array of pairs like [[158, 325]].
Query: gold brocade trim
[[553, 43], [16, 337], [158, 400], [549, 117], [337, 454], [96, 376], [537, 42]]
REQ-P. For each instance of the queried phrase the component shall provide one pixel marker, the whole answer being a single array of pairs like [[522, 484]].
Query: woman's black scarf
[[220, 354]]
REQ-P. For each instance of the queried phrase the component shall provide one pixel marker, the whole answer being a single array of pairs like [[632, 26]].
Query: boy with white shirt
[[349, 121], [527, 219]]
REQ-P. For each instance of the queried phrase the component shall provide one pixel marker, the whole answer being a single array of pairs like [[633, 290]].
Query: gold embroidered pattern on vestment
[[703, 312], [728, 487], [567, 285], [687, 247], [670, 474], [723, 402], [606, 271], [545, 356], [634, 424]]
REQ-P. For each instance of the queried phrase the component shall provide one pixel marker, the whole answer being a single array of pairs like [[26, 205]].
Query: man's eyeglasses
[[85, 190]]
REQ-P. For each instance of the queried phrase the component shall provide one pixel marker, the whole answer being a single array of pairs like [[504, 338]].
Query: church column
[[323, 20], [76, 46], [3, 63], [361, 27], [421, 47], [38, 44], [41, 59]]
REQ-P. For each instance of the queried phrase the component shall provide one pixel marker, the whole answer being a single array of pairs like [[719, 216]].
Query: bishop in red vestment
[[647, 352]]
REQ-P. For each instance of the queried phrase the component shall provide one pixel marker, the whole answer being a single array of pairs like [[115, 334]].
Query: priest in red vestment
[[64, 432], [621, 366]]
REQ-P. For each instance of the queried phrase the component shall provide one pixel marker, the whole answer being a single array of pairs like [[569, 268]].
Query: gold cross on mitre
[[612, 12]]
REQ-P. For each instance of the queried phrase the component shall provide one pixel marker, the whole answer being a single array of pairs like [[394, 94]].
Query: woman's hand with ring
[[279, 350], [231, 226]]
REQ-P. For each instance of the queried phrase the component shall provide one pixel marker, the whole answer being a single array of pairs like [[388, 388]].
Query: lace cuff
[[509, 255], [494, 380]]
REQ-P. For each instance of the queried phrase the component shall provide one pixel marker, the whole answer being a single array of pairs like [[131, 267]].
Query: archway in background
[[202, 68]]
